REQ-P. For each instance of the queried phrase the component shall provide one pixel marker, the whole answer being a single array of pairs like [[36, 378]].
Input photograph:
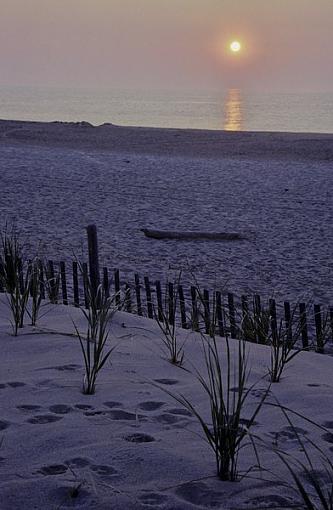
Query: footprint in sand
[[272, 501], [78, 462], [169, 419], [53, 470], [139, 438], [16, 384], [94, 413], [4, 425], [83, 407], [328, 437], [60, 409], [67, 368], [103, 470], [153, 499], [167, 382], [150, 405], [28, 407], [288, 434], [260, 392], [43, 419], [328, 424], [119, 414], [112, 404], [199, 494], [179, 411]]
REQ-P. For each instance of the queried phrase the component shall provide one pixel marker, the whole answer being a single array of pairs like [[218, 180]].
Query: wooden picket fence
[[190, 308]]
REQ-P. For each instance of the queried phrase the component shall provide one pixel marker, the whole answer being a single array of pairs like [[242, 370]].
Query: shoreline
[[174, 142]]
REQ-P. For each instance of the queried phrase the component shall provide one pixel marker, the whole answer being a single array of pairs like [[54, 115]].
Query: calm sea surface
[[232, 109]]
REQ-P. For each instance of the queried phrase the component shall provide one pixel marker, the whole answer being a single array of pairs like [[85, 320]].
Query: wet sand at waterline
[[275, 188]]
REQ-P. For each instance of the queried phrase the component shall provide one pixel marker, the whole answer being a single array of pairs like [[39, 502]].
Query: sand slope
[[131, 445]]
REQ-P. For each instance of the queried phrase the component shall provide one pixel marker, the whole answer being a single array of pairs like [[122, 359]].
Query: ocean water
[[232, 109]]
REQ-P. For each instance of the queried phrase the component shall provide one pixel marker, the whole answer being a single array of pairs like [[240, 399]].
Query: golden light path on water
[[233, 111]]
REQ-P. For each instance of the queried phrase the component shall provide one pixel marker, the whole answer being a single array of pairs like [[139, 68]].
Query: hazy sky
[[287, 44]]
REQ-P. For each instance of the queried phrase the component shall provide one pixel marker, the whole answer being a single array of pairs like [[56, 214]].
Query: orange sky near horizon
[[286, 44]]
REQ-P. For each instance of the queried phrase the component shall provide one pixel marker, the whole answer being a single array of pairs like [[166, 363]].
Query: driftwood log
[[165, 234]]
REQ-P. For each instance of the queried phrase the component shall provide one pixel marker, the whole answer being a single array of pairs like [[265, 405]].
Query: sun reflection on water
[[233, 115]]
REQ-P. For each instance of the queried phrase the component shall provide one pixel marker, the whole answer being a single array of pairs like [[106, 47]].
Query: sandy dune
[[131, 446]]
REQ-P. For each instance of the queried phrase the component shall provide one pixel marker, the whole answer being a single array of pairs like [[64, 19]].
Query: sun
[[235, 46]]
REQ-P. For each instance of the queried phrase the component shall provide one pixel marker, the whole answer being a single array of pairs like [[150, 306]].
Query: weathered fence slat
[[195, 311], [273, 319], [106, 282], [319, 329], [93, 258], [42, 280], [288, 322], [150, 309], [206, 311], [171, 303], [232, 315], [159, 298], [117, 287], [138, 294], [1, 273], [182, 307], [52, 283], [85, 283], [76, 284], [219, 314], [63, 283], [304, 326]]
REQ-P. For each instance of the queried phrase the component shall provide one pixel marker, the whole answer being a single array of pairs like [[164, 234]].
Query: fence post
[[319, 329], [159, 301], [182, 306], [219, 313], [171, 303], [117, 286], [149, 299], [93, 258], [273, 319], [195, 313], [208, 325], [76, 285], [106, 283], [304, 327], [138, 294], [288, 321], [63, 283]]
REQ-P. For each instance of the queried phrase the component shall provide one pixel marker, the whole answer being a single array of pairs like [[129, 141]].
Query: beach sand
[[132, 446], [273, 188]]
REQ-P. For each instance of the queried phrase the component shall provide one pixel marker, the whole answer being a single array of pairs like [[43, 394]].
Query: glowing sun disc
[[235, 46]]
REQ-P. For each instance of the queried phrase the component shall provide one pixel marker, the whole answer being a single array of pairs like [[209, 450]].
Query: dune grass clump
[[283, 348], [284, 340], [16, 284], [225, 432], [94, 346], [166, 320]]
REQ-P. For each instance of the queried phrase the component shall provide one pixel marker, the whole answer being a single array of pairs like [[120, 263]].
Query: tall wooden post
[[93, 258]]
